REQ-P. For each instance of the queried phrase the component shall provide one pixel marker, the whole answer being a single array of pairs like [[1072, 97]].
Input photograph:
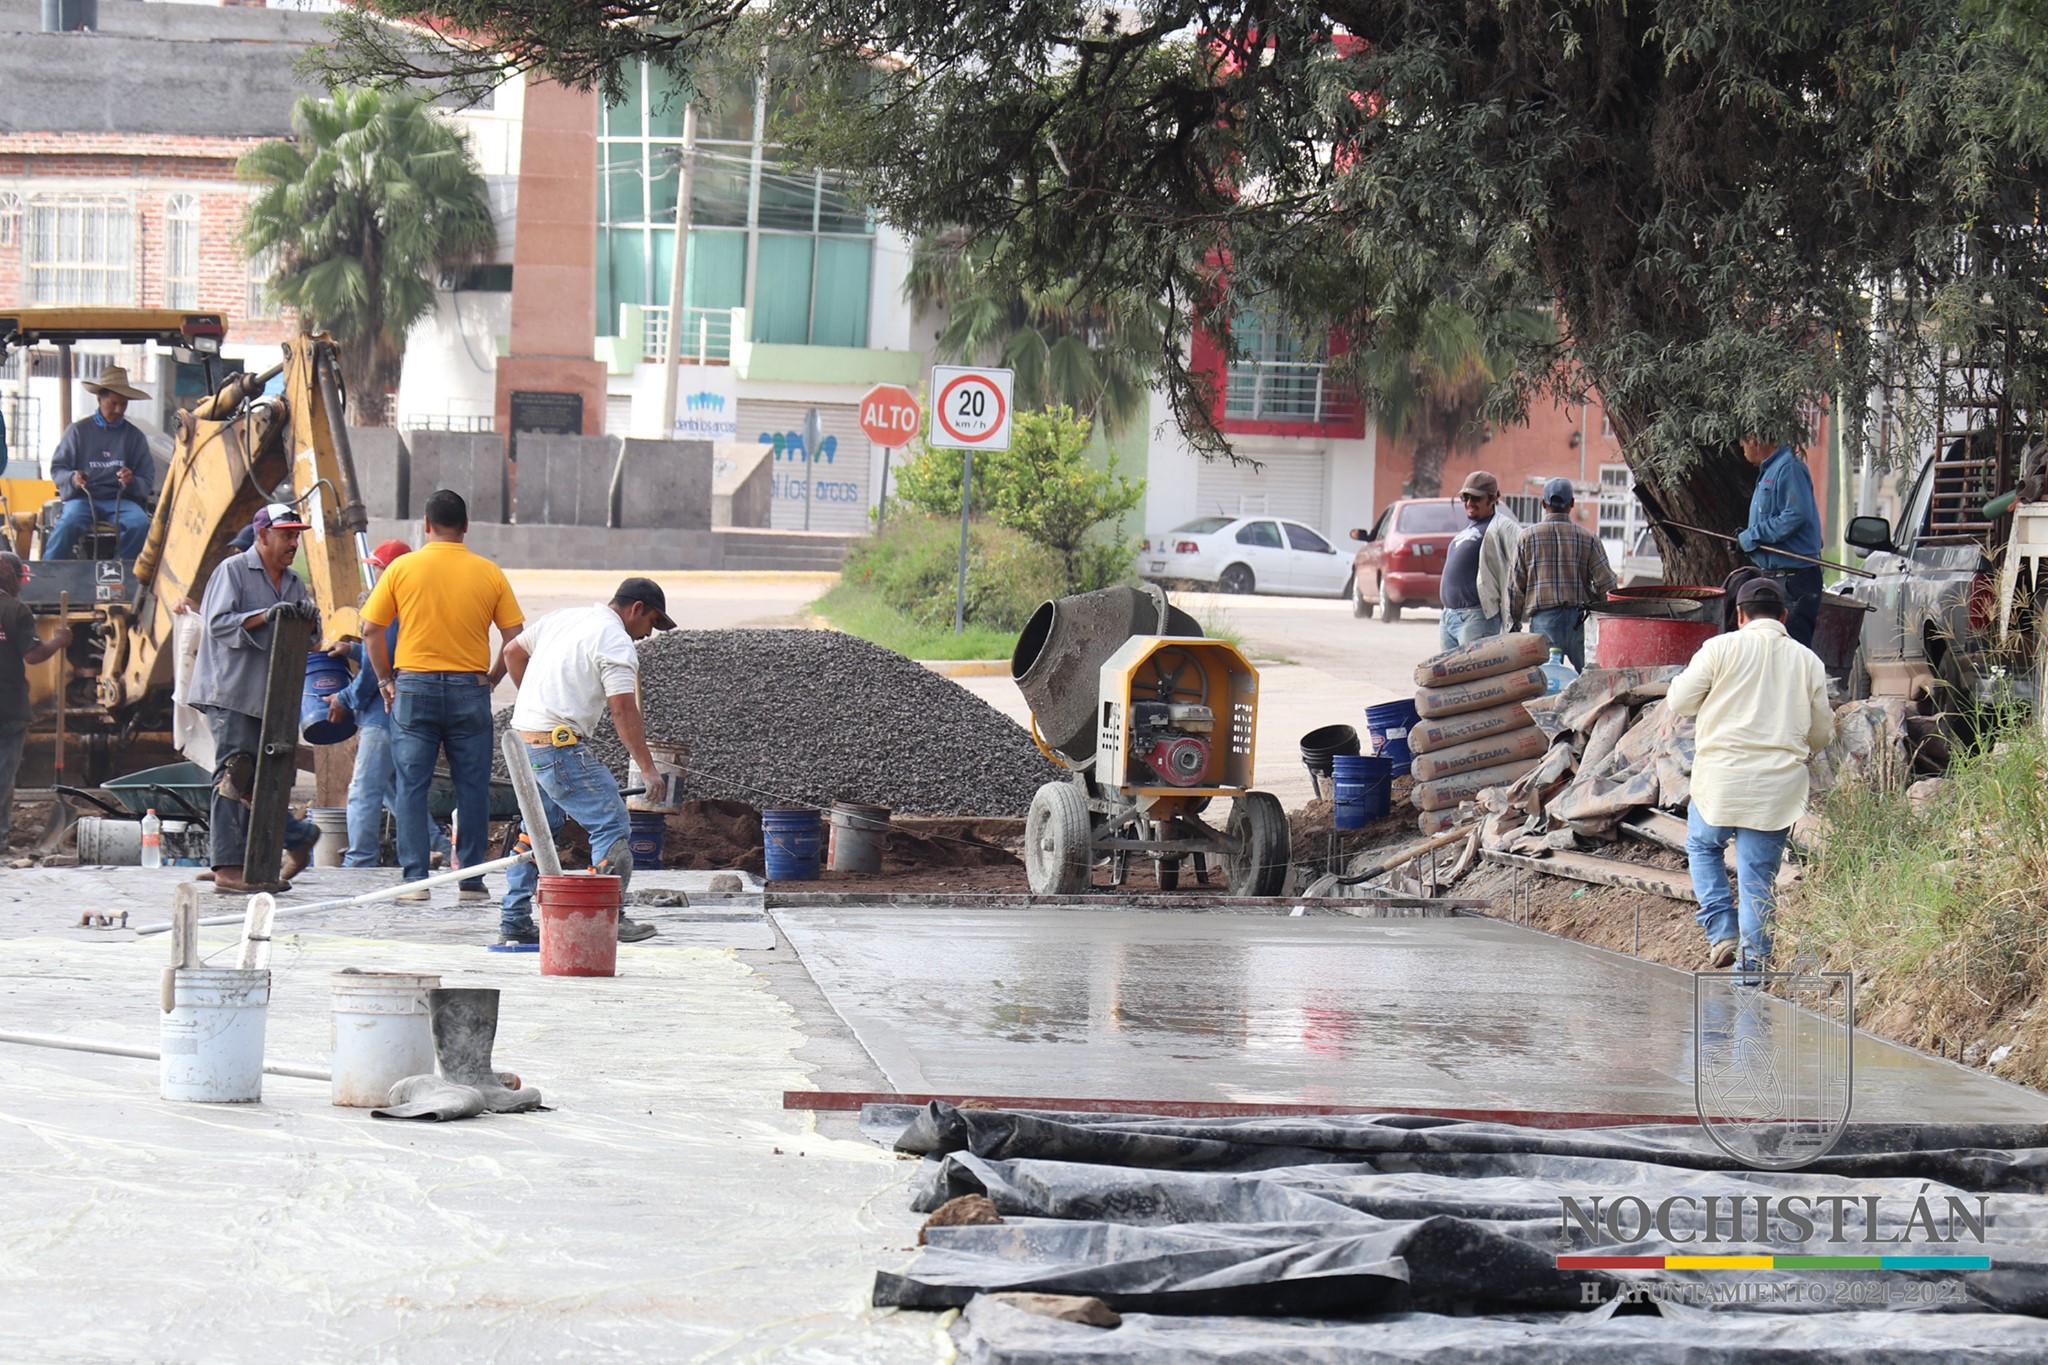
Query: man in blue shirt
[[103, 469], [1783, 513]]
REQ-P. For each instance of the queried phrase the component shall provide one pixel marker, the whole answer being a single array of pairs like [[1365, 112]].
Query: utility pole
[[672, 343]]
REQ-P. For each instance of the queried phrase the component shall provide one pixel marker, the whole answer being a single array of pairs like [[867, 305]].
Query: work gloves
[[297, 611]]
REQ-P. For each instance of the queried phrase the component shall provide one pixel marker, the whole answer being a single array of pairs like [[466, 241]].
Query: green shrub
[[914, 567]]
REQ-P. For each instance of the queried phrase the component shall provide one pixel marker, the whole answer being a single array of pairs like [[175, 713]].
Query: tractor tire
[[1258, 824], [1057, 859], [1169, 874], [1237, 578]]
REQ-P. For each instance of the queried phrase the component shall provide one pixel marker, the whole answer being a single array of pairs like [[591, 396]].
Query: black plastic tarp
[[1456, 1224]]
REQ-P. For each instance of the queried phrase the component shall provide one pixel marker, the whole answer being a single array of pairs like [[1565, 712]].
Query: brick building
[[117, 179]]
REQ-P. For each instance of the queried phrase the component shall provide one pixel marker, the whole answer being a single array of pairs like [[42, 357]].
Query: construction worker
[[1560, 569], [373, 785], [571, 668], [245, 597], [1761, 699], [438, 685], [103, 471], [20, 646], [1478, 564], [1783, 513]]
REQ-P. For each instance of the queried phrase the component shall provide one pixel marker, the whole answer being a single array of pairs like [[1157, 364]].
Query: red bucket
[[579, 925]]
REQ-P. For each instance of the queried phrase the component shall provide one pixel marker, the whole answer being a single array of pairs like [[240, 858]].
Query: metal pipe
[[458, 874], [63, 1044], [353, 515]]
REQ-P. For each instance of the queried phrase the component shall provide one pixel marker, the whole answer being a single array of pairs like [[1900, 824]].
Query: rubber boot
[[618, 862], [465, 1024]]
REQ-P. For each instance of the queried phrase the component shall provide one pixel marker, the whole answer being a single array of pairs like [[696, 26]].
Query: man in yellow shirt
[[1761, 699], [438, 689]]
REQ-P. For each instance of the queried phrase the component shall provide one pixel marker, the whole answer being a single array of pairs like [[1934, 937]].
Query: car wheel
[[1237, 578], [1858, 681], [1390, 610], [1359, 606]]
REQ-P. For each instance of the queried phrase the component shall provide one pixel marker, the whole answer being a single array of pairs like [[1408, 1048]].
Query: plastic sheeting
[[1457, 1224]]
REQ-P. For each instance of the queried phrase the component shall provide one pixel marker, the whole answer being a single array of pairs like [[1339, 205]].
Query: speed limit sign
[[970, 408]]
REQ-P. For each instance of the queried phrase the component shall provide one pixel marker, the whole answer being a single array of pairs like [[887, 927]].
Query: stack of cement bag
[[1474, 731]]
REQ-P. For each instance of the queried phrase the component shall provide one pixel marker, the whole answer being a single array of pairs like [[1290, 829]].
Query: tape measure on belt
[[562, 737]]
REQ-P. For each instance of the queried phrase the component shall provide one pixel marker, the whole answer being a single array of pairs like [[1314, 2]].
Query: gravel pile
[[809, 717]]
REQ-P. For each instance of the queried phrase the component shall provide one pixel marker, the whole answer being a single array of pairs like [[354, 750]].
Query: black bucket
[[1319, 748]]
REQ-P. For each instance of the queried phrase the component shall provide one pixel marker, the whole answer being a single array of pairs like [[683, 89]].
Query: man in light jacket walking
[[1478, 565]]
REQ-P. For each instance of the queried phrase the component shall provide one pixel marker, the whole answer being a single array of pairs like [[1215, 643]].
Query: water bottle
[[1557, 674], [152, 840]]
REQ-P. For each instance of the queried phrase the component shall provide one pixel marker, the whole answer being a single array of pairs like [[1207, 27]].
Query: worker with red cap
[[373, 787]]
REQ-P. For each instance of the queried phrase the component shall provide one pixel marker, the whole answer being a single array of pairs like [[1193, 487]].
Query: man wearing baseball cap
[[1761, 703], [245, 597], [1478, 565], [572, 667], [1560, 568]]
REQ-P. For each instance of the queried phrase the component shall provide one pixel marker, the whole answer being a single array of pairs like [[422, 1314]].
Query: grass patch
[[863, 612], [1219, 625], [1935, 901]]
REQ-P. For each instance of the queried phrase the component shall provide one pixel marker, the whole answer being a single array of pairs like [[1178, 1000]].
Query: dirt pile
[[807, 718]]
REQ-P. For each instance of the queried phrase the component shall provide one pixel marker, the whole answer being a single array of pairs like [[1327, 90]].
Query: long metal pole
[[966, 501], [388, 893], [882, 507], [64, 1044], [672, 343]]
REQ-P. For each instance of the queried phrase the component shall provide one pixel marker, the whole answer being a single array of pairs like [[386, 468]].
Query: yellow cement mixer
[[1153, 723]]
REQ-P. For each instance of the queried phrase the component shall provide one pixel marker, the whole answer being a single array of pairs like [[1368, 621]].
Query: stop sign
[[889, 415]]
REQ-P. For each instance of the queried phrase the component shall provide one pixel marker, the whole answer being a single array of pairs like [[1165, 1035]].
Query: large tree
[[1738, 210], [361, 213]]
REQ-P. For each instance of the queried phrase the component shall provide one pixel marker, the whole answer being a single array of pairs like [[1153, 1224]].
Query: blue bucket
[[1364, 787], [793, 841], [648, 827], [1387, 725], [325, 675]]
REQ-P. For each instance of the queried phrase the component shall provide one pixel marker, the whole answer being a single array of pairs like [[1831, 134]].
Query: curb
[[968, 668]]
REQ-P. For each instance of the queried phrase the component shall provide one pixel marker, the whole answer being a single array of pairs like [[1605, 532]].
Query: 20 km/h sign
[[889, 414], [970, 408]]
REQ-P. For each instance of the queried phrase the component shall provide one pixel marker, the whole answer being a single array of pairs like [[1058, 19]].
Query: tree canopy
[[1737, 210]]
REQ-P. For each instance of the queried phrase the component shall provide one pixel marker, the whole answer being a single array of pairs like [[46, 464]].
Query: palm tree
[[1433, 384], [361, 214], [1094, 354]]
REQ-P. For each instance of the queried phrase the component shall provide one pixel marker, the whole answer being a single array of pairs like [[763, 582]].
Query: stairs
[[764, 551]]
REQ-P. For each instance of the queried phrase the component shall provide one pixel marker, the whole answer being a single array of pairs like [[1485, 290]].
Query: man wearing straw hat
[[103, 469]]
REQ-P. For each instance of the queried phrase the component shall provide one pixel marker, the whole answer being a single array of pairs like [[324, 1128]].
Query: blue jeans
[[1463, 625], [434, 712], [372, 790], [1757, 855], [1565, 628], [77, 518], [573, 785]]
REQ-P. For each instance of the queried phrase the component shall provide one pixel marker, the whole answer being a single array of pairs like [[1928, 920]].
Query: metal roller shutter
[[839, 477], [1289, 485]]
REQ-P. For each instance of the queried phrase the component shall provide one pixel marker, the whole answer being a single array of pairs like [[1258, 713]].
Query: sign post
[[971, 409], [889, 416], [814, 436]]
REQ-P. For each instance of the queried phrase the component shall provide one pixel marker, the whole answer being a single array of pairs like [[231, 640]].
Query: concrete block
[[665, 485], [382, 464], [742, 484], [472, 465], [566, 480]]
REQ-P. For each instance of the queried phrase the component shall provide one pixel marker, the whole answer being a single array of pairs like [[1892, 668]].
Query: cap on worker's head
[[1558, 495], [648, 593], [1479, 481], [114, 379], [278, 516], [388, 551], [1764, 590]]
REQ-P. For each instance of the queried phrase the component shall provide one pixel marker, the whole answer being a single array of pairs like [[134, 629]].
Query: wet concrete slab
[[1464, 1013]]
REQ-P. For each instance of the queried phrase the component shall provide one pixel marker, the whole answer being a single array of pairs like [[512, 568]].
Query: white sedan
[[1248, 554]]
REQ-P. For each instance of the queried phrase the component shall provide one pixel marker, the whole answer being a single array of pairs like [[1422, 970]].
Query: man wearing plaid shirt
[[1560, 570]]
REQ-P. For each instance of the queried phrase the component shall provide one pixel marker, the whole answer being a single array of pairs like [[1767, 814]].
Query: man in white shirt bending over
[[572, 666], [1762, 702]]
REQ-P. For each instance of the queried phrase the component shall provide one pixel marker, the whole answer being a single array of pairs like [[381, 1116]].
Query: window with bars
[[262, 301], [80, 250], [181, 251], [10, 218]]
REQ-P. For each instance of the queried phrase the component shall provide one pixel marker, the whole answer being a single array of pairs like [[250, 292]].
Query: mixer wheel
[[1057, 859], [1258, 825]]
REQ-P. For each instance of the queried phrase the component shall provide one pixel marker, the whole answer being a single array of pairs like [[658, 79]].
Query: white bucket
[[859, 836], [212, 1042], [382, 1034], [332, 822]]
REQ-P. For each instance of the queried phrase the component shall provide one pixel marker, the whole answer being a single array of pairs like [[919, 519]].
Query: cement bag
[[1437, 821], [1506, 747], [1432, 735], [189, 730], [1456, 699], [1447, 792], [1486, 658]]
